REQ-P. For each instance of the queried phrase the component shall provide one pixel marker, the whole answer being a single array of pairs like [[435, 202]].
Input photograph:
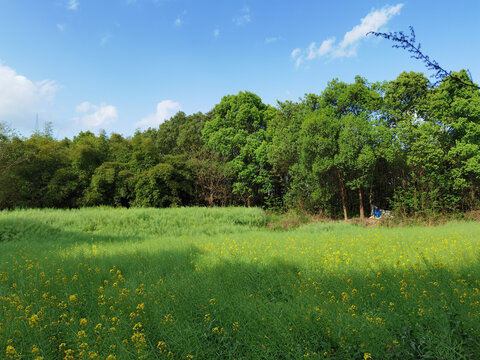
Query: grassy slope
[[216, 283]]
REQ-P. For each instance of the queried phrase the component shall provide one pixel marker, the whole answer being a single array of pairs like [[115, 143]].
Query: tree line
[[403, 145]]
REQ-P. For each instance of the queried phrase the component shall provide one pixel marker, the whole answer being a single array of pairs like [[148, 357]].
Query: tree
[[181, 134], [145, 154], [112, 184], [168, 183], [317, 177], [35, 161], [7, 156], [238, 132], [283, 143], [212, 178], [456, 109], [119, 149]]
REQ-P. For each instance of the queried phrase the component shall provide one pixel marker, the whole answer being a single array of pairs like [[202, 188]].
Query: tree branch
[[408, 42]]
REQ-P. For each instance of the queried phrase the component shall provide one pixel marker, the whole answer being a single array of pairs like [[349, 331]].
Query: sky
[[123, 65]]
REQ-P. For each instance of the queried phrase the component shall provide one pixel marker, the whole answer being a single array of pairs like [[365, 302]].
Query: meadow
[[200, 283]]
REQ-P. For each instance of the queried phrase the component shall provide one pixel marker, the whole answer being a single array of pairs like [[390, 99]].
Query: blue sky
[[121, 65]]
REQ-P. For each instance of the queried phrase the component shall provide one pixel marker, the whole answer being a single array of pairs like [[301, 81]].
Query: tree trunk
[[248, 200], [342, 194], [415, 199], [360, 200], [472, 197], [370, 200], [210, 199]]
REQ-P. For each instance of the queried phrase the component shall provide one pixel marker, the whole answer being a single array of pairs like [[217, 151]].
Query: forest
[[403, 145]]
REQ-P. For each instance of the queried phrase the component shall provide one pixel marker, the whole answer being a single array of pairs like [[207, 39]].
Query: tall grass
[[218, 284]]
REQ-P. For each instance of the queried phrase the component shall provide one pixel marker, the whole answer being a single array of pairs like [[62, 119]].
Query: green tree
[[316, 176], [357, 154], [145, 154], [238, 133], [283, 143], [212, 178], [112, 184], [455, 106], [119, 149], [168, 183]]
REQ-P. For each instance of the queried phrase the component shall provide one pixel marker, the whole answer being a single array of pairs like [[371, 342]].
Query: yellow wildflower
[[33, 320], [35, 350], [10, 351], [69, 354]]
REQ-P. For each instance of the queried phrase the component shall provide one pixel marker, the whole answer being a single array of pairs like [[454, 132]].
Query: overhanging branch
[[408, 42]]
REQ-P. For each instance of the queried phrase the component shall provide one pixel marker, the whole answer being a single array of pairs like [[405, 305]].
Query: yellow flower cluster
[[358, 289]]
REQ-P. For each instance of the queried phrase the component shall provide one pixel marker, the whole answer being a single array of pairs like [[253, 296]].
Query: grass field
[[201, 283]]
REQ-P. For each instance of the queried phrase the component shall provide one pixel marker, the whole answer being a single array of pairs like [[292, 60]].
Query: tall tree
[[317, 177], [455, 107], [238, 133]]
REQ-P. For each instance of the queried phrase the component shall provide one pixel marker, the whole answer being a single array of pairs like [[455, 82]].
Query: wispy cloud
[[271, 40], [351, 40], [178, 22], [165, 110], [73, 4], [61, 27], [216, 33], [21, 97], [105, 39], [243, 17], [96, 115], [295, 52]]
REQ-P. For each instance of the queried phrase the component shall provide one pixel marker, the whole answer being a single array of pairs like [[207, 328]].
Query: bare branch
[[408, 42]]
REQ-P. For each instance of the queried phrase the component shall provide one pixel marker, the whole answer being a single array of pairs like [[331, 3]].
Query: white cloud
[[312, 51], [165, 110], [326, 47], [348, 46], [178, 22], [216, 33], [73, 4], [21, 97], [295, 53], [372, 22], [244, 16], [96, 115], [83, 107]]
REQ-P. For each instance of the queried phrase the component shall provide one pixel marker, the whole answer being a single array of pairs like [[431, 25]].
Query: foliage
[[403, 145], [238, 133]]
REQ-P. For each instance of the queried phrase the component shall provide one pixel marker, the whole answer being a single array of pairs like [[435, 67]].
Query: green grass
[[219, 284]]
